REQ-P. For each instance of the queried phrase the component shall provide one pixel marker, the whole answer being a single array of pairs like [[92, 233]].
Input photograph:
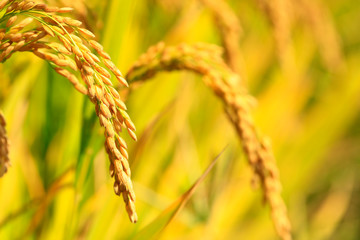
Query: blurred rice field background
[[299, 59]]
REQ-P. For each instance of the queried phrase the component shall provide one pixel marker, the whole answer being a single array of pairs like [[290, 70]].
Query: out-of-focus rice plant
[[299, 59]]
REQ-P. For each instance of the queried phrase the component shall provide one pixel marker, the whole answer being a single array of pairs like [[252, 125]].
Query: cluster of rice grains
[[206, 60], [4, 150], [63, 43]]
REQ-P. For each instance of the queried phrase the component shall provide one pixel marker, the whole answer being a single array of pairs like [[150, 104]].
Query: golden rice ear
[[68, 48], [4, 147], [206, 60]]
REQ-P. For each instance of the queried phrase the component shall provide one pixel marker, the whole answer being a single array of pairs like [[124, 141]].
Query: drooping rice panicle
[[206, 60], [68, 47]]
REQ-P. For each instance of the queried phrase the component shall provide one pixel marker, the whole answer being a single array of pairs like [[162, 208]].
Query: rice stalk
[[279, 14], [4, 147], [230, 30], [318, 19], [69, 49], [206, 60]]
